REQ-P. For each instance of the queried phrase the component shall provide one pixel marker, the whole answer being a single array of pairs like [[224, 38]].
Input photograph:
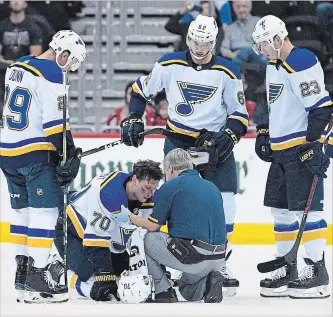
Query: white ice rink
[[246, 303]]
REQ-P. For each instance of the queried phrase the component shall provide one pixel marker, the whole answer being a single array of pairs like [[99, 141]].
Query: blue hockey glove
[[263, 145], [131, 127], [311, 154], [67, 172]]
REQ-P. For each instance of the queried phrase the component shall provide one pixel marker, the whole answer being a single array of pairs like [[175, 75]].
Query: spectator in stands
[[179, 23], [122, 112], [161, 104], [19, 36], [54, 12], [237, 42]]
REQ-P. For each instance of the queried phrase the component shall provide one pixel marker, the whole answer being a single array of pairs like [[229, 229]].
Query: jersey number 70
[[18, 103]]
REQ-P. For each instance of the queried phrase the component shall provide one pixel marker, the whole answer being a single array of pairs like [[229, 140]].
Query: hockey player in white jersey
[[206, 110], [98, 227], [30, 150], [299, 110]]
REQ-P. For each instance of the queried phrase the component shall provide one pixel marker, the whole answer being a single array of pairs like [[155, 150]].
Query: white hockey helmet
[[201, 36], [136, 288], [265, 30], [69, 41]]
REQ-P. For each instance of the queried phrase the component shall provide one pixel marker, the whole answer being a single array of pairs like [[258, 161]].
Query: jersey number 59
[[18, 103]]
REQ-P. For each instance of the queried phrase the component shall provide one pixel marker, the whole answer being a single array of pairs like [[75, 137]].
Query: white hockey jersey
[[294, 87], [33, 108], [99, 212], [199, 96]]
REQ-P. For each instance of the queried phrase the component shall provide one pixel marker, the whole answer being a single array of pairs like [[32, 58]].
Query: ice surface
[[246, 303]]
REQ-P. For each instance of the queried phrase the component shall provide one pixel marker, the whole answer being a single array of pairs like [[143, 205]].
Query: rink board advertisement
[[253, 223]]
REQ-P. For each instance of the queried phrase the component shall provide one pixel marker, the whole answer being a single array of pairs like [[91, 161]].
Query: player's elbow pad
[[317, 121]]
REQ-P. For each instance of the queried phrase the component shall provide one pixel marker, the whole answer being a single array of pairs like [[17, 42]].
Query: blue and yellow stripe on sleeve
[[242, 117], [93, 240], [54, 127], [323, 102], [77, 220]]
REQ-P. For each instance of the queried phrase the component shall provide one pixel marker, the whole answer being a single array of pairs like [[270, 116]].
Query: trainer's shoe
[[277, 285], [169, 296], [43, 284], [312, 282], [214, 284], [20, 276]]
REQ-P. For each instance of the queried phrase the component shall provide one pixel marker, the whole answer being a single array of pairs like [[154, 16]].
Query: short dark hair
[[147, 169]]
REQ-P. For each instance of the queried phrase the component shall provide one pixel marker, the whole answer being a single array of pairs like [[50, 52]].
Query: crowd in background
[[26, 27]]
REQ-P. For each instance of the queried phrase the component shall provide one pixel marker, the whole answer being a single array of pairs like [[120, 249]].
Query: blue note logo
[[192, 94], [275, 91]]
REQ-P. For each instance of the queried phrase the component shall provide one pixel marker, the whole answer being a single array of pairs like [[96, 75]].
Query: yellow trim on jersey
[[153, 219], [73, 280], [326, 104], [136, 89], [286, 65], [314, 235], [288, 144], [239, 118], [40, 243], [147, 204], [285, 236], [18, 239], [330, 140], [25, 65], [26, 149], [173, 61], [97, 243], [57, 129], [181, 131], [109, 179], [77, 225], [226, 70]]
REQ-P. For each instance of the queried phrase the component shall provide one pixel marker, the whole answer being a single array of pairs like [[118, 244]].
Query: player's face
[[265, 49], [144, 189], [199, 49]]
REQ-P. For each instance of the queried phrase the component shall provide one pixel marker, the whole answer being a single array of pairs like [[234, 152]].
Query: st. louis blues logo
[[275, 91], [192, 94]]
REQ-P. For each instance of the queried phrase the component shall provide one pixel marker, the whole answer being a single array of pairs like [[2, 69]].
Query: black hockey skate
[[230, 284], [277, 285], [43, 285], [312, 282], [20, 276]]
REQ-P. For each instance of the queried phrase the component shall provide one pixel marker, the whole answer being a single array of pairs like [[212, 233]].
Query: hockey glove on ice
[[104, 286], [219, 145], [263, 145], [314, 158], [67, 172], [131, 127]]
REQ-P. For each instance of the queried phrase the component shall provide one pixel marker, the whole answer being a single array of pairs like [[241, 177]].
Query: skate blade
[[274, 292], [229, 291], [44, 298], [319, 292]]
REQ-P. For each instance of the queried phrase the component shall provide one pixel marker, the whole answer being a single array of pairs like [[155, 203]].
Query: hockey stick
[[291, 256], [63, 162], [161, 131]]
